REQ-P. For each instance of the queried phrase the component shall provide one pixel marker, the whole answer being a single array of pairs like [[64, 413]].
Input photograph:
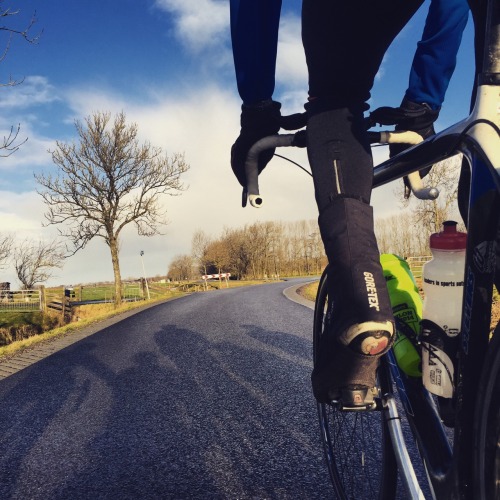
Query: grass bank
[[82, 316]]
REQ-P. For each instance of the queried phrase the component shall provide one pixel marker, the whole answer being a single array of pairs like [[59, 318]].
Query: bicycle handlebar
[[251, 164], [286, 140]]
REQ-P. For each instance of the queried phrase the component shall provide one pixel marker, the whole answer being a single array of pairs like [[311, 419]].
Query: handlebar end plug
[[255, 200], [433, 193]]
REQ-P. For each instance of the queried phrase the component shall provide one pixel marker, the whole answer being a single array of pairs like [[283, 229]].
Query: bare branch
[[23, 33], [6, 242], [9, 145]]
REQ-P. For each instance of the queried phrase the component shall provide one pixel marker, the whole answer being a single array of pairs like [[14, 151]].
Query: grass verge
[[85, 316], [309, 291]]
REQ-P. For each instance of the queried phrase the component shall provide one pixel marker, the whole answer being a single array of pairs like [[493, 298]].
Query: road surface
[[203, 397]]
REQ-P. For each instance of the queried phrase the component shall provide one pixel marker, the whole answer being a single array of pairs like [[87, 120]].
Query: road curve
[[203, 397]]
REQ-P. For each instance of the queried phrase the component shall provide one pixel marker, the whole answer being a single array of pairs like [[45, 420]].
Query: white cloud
[[20, 213], [202, 123], [88, 100], [198, 23], [33, 90]]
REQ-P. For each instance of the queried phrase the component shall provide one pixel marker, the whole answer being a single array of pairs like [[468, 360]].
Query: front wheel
[[487, 425], [357, 444]]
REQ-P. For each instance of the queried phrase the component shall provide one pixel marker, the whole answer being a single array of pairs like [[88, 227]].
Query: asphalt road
[[203, 397]]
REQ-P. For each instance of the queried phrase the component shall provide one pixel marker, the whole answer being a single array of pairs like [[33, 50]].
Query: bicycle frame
[[451, 471], [478, 139]]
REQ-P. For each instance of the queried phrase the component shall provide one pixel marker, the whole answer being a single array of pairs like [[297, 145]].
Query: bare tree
[[407, 234], [239, 259], [398, 234], [181, 268], [199, 244], [106, 181], [219, 257], [35, 262], [6, 242]]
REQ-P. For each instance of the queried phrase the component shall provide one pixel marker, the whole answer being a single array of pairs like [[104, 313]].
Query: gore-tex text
[[372, 291]]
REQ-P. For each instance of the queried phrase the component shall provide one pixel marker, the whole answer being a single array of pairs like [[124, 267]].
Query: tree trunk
[[113, 246]]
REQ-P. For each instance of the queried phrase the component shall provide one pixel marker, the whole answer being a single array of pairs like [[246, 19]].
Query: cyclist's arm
[[436, 55], [254, 35]]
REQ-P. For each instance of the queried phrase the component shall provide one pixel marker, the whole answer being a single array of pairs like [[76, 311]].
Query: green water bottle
[[407, 309]]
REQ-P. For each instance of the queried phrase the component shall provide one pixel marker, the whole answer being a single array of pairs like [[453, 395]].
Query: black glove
[[257, 121], [418, 118], [409, 116]]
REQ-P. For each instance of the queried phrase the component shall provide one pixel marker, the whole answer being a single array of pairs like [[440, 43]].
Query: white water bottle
[[443, 284]]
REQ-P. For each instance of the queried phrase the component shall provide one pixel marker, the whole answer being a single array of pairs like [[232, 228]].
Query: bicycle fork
[[403, 460]]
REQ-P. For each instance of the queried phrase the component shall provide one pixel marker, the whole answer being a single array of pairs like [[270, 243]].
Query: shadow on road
[[173, 414]]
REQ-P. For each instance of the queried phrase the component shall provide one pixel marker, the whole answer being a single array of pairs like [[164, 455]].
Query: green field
[[100, 292]]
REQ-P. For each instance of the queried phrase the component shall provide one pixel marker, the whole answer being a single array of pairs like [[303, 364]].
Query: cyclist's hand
[[257, 121], [418, 118], [409, 116]]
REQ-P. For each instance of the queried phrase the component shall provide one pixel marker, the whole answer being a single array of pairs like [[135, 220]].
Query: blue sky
[[167, 64]]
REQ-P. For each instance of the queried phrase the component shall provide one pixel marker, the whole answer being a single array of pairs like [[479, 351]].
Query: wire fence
[[20, 300]]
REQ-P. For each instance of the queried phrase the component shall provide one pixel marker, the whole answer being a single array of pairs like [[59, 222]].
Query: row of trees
[[254, 251], [288, 249]]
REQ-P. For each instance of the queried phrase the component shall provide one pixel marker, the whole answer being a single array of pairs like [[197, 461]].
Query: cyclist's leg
[[344, 44], [357, 445], [362, 317]]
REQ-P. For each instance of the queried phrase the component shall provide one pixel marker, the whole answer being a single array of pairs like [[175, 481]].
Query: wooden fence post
[[63, 303], [43, 297]]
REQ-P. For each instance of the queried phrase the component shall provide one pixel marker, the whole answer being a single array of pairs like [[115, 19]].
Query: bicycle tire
[[487, 425], [357, 445]]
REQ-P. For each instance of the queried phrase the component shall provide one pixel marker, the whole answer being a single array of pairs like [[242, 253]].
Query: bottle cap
[[449, 238]]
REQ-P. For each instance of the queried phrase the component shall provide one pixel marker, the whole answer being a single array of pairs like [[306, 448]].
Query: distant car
[[70, 293]]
